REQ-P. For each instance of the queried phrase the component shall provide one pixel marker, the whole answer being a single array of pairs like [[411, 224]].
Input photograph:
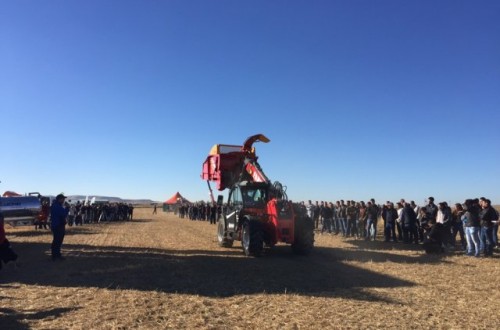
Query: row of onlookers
[[475, 222]]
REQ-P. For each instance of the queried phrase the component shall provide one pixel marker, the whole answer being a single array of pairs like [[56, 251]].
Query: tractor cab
[[249, 195]]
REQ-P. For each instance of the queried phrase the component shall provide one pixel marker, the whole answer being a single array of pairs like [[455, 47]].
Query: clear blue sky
[[361, 99]]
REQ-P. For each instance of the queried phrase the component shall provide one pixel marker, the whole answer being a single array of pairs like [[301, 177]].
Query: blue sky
[[361, 99]]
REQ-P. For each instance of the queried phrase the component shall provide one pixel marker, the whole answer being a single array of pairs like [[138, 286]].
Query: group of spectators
[[200, 211], [85, 213], [436, 226], [80, 213]]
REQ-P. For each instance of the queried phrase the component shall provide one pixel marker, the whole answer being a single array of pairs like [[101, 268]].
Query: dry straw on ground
[[162, 272]]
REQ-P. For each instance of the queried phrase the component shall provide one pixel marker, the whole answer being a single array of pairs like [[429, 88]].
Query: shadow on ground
[[78, 230], [73, 229], [141, 220], [379, 251], [221, 273], [13, 319]]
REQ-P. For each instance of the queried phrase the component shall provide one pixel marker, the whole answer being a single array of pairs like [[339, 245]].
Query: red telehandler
[[258, 212]]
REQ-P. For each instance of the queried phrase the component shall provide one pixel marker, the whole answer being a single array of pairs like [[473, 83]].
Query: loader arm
[[253, 169]]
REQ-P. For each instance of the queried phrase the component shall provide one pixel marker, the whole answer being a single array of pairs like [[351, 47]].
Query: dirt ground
[[162, 272]]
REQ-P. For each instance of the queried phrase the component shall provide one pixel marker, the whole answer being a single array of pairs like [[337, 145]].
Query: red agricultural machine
[[258, 212]]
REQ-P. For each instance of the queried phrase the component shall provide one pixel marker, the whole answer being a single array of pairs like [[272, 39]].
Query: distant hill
[[111, 199]]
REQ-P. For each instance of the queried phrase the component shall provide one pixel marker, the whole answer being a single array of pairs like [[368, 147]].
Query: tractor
[[258, 212]]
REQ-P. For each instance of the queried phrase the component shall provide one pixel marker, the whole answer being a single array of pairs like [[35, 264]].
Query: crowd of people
[[200, 211], [437, 227], [85, 213], [80, 213], [471, 226]]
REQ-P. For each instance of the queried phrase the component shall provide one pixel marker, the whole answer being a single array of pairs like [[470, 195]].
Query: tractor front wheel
[[252, 238], [222, 234], [304, 235]]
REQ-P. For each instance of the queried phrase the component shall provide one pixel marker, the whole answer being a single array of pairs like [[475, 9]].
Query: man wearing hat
[[58, 216]]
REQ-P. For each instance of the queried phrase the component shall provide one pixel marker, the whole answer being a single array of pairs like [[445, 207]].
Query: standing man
[[362, 220], [351, 213], [58, 216], [457, 226], [213, 214], [343, 217], [371, 221], [316, 215], [488, 217], [409, 223], [326, 215], [389, 214], [445, 218], [431, 210]]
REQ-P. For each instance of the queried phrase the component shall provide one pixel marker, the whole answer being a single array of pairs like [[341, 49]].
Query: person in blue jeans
[[327, 215], [487, 216], [337, 218], [389, 214], [495, 233], [409, 223], [457, 226], [343, 218], [472, 227], [371, 221], [351, 215], [58, 214]]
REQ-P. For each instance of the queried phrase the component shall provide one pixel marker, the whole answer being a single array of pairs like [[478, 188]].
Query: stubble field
[[162, 272]]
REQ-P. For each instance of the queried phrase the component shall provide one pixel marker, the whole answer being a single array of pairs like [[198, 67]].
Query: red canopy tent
[[11, 194], [177, 198], [174, 202]]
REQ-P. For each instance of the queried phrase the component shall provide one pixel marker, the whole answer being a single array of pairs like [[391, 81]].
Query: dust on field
[[159, 272]]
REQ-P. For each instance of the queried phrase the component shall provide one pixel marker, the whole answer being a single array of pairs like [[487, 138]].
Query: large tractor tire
[[252, 238], [222, 236], [304, 235]]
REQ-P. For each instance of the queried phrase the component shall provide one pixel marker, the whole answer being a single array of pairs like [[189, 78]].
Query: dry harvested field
[[160, 272]]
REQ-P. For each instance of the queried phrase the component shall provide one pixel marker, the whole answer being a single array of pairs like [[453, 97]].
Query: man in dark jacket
[[371, 222], [409, 223], [58, 216], [326, 215], [316, 214], [389, 214], [431, 209], [472, 227], [487, 215]]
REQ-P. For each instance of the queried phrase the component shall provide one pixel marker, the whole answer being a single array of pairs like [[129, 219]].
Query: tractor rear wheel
[[252, 238], [222, 234], [304, 235]]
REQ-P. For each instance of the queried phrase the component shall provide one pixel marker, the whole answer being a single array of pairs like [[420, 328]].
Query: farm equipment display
[[258, 212]]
